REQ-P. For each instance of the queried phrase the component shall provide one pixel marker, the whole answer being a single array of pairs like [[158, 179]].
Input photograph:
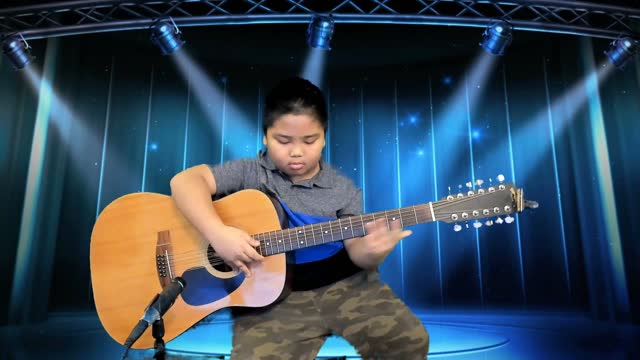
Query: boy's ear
[[264, 140]]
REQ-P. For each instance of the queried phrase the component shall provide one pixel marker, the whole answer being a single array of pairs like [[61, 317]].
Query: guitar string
[[333, 226], [215, 260], [407, 211]]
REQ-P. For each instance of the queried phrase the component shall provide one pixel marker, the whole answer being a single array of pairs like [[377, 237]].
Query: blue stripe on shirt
[[313, 253]]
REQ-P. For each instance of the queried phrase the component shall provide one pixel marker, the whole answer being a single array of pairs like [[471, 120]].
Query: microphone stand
[[153, 316], [157, 329]]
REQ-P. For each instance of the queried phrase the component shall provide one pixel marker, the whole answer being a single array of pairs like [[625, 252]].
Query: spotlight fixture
[[497, 37], [16, 49], [319, 32], [166, 36], [621, 51]]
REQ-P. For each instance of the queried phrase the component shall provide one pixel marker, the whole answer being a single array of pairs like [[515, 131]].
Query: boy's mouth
[[296, 166]]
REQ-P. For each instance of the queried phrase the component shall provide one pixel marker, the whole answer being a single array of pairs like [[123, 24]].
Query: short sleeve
[[235, 175]]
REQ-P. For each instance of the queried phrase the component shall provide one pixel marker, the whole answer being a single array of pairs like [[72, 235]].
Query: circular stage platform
[[214, 338]]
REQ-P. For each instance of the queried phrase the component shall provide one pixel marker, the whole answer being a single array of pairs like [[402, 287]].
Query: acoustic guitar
[[141, 242]]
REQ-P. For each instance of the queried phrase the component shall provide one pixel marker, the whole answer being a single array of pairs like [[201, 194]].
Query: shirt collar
[[322, 178]]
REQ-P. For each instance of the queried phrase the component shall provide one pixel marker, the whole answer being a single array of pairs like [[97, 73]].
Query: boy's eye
[[310, 141], [283, 141]]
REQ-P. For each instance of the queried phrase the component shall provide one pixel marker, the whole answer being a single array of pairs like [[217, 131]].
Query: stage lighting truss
[[497, 37], [594, 19], [16, 49], [622, 50]]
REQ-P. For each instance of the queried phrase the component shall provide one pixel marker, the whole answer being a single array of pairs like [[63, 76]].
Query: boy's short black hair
[[294, 96]]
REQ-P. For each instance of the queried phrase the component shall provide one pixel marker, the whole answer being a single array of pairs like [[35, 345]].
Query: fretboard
[[280, 241]]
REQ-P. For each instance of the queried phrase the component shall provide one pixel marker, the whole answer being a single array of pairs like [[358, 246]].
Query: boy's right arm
[[191, 190]]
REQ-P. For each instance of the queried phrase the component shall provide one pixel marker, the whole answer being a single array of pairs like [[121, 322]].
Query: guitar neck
[[280, 241]]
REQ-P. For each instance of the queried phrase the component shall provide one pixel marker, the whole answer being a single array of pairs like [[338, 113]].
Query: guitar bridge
[[164, 263]]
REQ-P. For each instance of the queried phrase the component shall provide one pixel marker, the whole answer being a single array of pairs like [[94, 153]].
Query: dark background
[[383, 83]]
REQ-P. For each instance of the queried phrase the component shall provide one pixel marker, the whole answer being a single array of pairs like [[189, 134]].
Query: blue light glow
[[230, 123], [314, 66], [552, 139], [153, 147], [602, 163]]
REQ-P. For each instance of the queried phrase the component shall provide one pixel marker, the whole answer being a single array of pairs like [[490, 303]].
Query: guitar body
[[140, 242]]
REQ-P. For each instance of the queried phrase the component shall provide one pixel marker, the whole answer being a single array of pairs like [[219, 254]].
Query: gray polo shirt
[[326, 196]]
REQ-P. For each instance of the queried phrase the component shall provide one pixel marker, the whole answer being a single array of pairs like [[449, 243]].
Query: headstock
[[500, 200]]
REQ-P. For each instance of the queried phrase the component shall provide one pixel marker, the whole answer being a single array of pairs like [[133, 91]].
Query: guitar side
[[141, 241]]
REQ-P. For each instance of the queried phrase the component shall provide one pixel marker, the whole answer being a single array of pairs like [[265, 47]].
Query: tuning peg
[[469, 184], [509, 219], [479, 182], [500, 178], [457, 227], [499, 220], [477, 225], [489, 222]]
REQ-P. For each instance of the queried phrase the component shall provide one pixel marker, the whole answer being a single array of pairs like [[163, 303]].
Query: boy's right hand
[[236, 248]]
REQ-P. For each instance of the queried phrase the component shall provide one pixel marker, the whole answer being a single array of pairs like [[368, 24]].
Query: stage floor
[[460, 335]]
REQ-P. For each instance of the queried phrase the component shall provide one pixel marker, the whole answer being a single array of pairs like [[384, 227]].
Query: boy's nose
[[296, 152]]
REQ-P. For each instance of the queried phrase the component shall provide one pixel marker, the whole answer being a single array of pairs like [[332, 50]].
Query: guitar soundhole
[[216, 262]]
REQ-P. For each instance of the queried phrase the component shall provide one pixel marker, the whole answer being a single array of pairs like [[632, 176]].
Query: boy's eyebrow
[[290, 137]]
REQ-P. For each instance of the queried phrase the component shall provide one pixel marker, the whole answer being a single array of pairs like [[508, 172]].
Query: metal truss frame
[[77, 17]]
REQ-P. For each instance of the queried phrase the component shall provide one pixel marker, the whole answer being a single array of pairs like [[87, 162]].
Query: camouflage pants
[[359, 308]]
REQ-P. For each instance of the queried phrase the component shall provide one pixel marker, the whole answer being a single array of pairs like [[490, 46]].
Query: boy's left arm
[[370, 250]]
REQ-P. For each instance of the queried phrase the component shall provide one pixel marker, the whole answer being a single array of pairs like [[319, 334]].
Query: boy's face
[[295, 143]]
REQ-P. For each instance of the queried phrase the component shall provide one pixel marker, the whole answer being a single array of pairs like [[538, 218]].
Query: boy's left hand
[[369, 250]]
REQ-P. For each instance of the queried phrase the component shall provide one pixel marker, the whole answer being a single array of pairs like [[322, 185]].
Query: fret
[[290, 241], [433, 216], [313, 235], [274, 242], [351, 226], [263, 242], [270, 241], [393, 218], [257, 238], [415, 213], [281, 242], [387, 218], [298, 232], [304, 242], [331, 230]]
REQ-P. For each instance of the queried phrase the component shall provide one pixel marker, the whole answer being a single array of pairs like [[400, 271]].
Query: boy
[[336, 288]]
